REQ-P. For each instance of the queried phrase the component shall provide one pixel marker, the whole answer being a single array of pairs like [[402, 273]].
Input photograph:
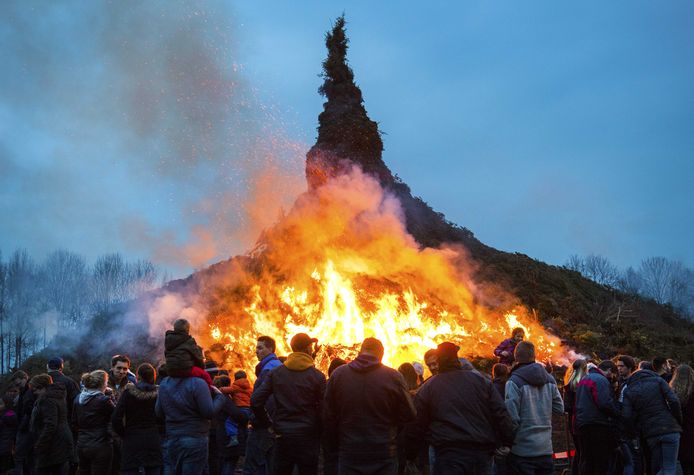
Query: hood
[[87, 395], [242, 383], [641, 376], [298, 361], [533, 374], [142, 390], [365, 363], [173, 339]]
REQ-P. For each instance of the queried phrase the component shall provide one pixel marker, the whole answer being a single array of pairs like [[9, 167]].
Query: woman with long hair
[[91, 414], [573, 376], [135, 421], [683, 386]]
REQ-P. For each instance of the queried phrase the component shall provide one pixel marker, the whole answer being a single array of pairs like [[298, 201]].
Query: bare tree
[[23, 301], [66, 285]]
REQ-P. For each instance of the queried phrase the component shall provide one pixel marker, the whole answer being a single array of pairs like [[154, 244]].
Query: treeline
[[59, 294], [663, 280]]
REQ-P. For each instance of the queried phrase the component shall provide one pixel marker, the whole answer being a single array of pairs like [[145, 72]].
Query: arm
[[500, 348], [513, 398], [258, 399], [49, 413], [628, 415], [557, 403], [158, 409], [672, 401], [604, 399], [119, 414], [202, 397]]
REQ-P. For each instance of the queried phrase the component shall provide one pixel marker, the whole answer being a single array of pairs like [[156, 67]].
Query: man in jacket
[[531, 398], [366, 403], [596, 420], [55, 371], [465, 414], [506, 348], [652, 410], [260, 441], [298, 389], [120, 375]]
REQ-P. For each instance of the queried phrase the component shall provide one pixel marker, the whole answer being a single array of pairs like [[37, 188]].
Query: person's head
[[625, 365], [19, 378], [646, 365], [407, 371], [120, 365], [55, 364], [182, 326], [609, 368], [146, 373], [672, 364], [524, 352], [432, 361], [11, 393], [222, 381], [447, 356], [372, 346], [660, 365], [683, 383], [334, 364], [578, 370], [500, 370], [95, 380], [40, 383], [240, 375], [265, 347], [518, 334], [302, 343]]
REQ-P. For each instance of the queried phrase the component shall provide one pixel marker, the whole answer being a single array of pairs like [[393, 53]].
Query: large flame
[[341, 266]]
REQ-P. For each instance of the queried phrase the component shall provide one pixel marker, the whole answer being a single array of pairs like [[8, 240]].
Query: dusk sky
[[548, 129]]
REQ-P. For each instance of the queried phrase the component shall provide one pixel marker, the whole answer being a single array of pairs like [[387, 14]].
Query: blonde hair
[[578, 370], [683, 383], [95, 380]]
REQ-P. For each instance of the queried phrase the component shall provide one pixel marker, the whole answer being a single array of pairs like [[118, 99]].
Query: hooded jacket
[[531, 398], [50, 426], [298, 389], [181, 352], [366, 403], [91, 414], [650, 407], [187, 406], [241, 391], [594, 403], [463, 409]]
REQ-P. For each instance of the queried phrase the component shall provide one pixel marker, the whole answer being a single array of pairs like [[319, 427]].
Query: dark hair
[[430, 353], [645, 364], [118, 358], [269, 342], [607, 365], [147, 373], [407, 371], [221, 381], [524, 352], [659, 362], [334, 364], [181, 326], [40, 381], [499, 370], [516, 331], [240, 375], [628, 361], [19, 374]]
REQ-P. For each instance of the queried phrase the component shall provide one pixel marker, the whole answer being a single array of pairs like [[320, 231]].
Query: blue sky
[[545, 128]]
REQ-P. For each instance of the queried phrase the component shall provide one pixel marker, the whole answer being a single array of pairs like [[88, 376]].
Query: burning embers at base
[[341, 266]]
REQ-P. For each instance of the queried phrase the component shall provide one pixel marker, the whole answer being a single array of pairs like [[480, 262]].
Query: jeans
[[297, 451], [259, 452], [462, 461], [541, 465], [664, 453], [187, 455], [95, 461], [231, 426]]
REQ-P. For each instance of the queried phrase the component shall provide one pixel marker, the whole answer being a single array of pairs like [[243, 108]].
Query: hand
[[505, 353], [215, 390], [502, 451]]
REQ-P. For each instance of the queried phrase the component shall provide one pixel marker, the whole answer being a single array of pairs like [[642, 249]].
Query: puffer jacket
[[91, 414], [181, 352], [366, 403], [50, 425], [531, 398], [595, 404], [650, 406], [298, 388]]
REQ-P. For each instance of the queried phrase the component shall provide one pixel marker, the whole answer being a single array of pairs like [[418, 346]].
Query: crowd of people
[[363, 417]]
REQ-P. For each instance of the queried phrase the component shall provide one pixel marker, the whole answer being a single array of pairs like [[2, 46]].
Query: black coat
[[181, 353], [687, 440], [8, 430], [463, 409], [25, 438], [366, 404], [72, 389], [298, 395], [91, 415], [650, 407], [135, 421], [50, 427]]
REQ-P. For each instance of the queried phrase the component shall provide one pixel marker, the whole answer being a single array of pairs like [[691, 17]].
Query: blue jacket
[[650, 406], [595, 404], [187, 406], [265, 365]]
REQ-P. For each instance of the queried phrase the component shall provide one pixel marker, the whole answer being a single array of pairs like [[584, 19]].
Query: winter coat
[[298, 388], [595, 404], [50, 426], [229, 409], [462, 409], [500, 385], [72, 389], [8, 431], [187, 406], [118, 388], [25, 438], [135, 421], [650, 407], [241, 392], [365, 405], [91, 415], [182, 353], [531, 398], [687, 439], [509, 344]]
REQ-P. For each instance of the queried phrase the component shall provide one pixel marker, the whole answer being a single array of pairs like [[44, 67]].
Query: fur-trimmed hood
[[142, 390]]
